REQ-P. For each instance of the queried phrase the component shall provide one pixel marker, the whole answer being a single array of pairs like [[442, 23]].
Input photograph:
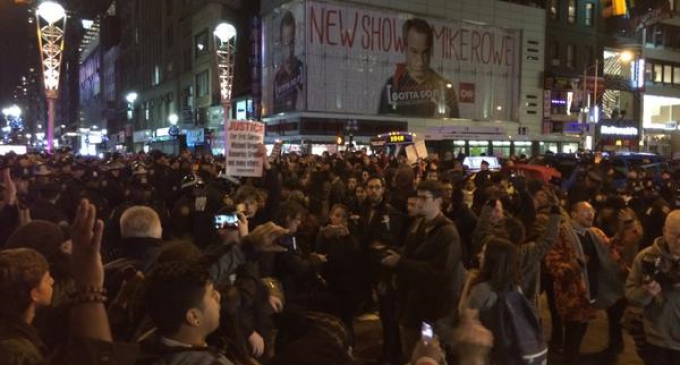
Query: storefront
[[660, 116], [618, 135]]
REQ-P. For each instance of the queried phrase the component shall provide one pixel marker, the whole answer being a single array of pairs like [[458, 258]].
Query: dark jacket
[[155, 352], [20, 343], [386, 226], [45, 210], [426, 273]]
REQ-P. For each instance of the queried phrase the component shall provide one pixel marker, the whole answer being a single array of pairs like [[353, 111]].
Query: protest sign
[[243, 139]]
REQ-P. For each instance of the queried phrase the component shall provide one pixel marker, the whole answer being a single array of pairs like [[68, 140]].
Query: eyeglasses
[[425, 197]]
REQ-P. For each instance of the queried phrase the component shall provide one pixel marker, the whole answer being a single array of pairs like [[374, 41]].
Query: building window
[[554, 9], [658, 35], [156, 75], [202, 43], [188, 101], [667, 74], [649, 35], [202, 84], [554, 52], [570, 55], [572, 12], [658, 73], [676, 75], [590, 14]]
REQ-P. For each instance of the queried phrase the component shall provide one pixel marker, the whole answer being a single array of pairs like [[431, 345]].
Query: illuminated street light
[[131, 97], [225, 41], [173, 119], [51, 22], [13, 111], [626, 56]]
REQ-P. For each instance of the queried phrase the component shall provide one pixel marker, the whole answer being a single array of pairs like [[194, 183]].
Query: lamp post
[[51, 23], [225, 49], [585, 108], [131, 97]]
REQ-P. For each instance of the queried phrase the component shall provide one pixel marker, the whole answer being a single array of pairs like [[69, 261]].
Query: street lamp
[[51, 23], [173, 119], [131, 97], [225, 41], [13, 111]]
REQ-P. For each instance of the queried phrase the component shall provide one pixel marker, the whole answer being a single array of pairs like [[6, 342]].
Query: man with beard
[[379, 229]]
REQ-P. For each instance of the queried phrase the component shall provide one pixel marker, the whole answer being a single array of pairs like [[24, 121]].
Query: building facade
[[474, 85], [661, 97]]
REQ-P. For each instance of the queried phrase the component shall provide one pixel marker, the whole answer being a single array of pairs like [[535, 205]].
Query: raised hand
[[10, 192], [264, 236], [86, 235]]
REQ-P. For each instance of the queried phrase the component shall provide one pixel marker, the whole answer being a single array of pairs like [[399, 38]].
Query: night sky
[[18, 48]]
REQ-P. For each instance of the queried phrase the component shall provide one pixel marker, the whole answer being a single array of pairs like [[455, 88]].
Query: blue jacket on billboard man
[[415, 89]]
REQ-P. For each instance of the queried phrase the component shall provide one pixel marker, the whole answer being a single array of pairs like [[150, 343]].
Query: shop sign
[[619, 131]]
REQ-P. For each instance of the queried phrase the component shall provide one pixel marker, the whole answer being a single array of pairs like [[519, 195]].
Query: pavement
[[368, 339]]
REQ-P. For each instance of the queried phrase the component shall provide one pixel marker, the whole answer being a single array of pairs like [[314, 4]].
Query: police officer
[[71, 190], [112, 186]]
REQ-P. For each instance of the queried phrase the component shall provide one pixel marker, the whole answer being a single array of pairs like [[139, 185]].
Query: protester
[[201, 266]]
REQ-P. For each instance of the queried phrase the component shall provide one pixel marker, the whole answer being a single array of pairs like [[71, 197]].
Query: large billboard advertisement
[[360, 60], [284, 71]]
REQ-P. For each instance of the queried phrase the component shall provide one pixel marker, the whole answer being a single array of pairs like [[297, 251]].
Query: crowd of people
[[158, 259]]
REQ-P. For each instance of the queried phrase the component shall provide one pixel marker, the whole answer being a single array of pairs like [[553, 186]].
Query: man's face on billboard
[[288, 45], [417, 55]]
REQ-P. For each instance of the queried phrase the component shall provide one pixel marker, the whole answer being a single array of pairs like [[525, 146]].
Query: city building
[[592, 77], [334, 68], [661, 97], [168, 55]]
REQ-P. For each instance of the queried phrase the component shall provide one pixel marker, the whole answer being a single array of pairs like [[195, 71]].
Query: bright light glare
[[51, 11], [626, 56], [131, 97], [12, 111], [225, 32], [173, 119], [87, 23]]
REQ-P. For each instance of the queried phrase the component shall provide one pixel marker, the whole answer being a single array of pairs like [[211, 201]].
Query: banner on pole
[[244, 137]]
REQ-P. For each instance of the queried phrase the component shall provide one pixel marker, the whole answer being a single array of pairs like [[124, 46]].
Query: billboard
[[381, 62], [284, 71]]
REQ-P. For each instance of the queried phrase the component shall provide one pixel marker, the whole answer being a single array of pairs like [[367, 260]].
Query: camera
[[664, 272], [650, 269], [222, 221]]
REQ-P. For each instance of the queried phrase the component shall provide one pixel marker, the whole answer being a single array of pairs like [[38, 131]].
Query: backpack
[[518, 334]]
